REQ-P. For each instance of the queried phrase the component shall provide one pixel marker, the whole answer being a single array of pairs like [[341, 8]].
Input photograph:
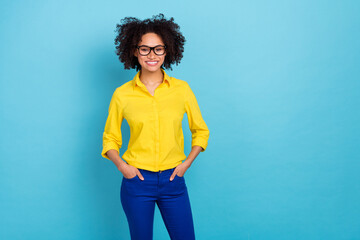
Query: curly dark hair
[[131, 30]]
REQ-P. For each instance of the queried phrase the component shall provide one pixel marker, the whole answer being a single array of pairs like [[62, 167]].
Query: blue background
[[278, 84]]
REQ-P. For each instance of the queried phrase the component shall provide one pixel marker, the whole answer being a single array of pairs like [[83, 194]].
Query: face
[[151, 62]]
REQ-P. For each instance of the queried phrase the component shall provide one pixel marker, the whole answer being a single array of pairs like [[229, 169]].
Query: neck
[[151, 77]]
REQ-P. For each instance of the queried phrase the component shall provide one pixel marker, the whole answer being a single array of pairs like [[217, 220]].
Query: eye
[[144, 49]]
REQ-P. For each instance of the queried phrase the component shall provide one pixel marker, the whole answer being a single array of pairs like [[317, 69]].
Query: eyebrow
[[150, 46]]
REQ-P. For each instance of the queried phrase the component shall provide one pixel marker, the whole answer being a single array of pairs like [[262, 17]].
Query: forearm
[[115, 158], [193, 154]]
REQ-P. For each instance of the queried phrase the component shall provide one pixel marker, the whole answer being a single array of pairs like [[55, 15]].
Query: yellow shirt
[[156, 135]]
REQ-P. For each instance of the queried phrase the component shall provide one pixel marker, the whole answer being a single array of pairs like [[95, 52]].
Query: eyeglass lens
[[158, 50]]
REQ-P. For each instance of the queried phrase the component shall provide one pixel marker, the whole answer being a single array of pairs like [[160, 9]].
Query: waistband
[[160, 171]]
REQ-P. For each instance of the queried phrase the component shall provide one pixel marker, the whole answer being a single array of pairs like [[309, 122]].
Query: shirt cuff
[[107, 147], [200, 142]]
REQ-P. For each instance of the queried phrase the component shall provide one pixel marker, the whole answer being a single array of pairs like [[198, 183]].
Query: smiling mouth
[[152, 63]]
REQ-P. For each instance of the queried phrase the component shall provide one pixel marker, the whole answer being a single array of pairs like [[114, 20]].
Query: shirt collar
[[136, 80]]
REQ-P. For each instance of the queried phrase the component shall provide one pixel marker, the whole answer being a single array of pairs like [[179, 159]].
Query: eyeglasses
[[145, 50]]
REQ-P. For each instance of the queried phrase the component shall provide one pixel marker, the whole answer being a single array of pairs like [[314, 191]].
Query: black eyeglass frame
[[151, 48]]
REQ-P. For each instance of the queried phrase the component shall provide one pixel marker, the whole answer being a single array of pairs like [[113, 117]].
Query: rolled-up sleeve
[[112, 138], [197, 125]]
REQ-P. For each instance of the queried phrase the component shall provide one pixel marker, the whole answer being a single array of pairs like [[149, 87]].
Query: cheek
[[141, 60]]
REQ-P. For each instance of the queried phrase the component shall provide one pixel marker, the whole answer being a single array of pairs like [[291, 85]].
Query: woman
[[153, 104]]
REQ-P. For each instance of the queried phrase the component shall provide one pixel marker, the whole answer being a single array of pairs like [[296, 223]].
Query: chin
[[150, 69]]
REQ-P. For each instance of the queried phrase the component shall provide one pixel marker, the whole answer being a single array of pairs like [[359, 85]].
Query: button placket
[[157, 133]]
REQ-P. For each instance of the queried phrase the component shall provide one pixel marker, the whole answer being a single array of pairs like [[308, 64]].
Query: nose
[[152, 53]]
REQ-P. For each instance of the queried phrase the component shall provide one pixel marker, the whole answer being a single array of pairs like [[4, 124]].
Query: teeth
[[152, 62]]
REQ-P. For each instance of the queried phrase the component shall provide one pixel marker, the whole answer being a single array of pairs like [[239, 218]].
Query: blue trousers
[[138, 198]]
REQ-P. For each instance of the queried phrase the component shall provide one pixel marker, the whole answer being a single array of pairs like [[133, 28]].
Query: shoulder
[[120, 93], [180, 86], [184, 86], [124, 89], [179, 83]]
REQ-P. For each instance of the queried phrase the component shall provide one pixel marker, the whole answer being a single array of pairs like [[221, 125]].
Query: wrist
[[187, 163], [121, 165]]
